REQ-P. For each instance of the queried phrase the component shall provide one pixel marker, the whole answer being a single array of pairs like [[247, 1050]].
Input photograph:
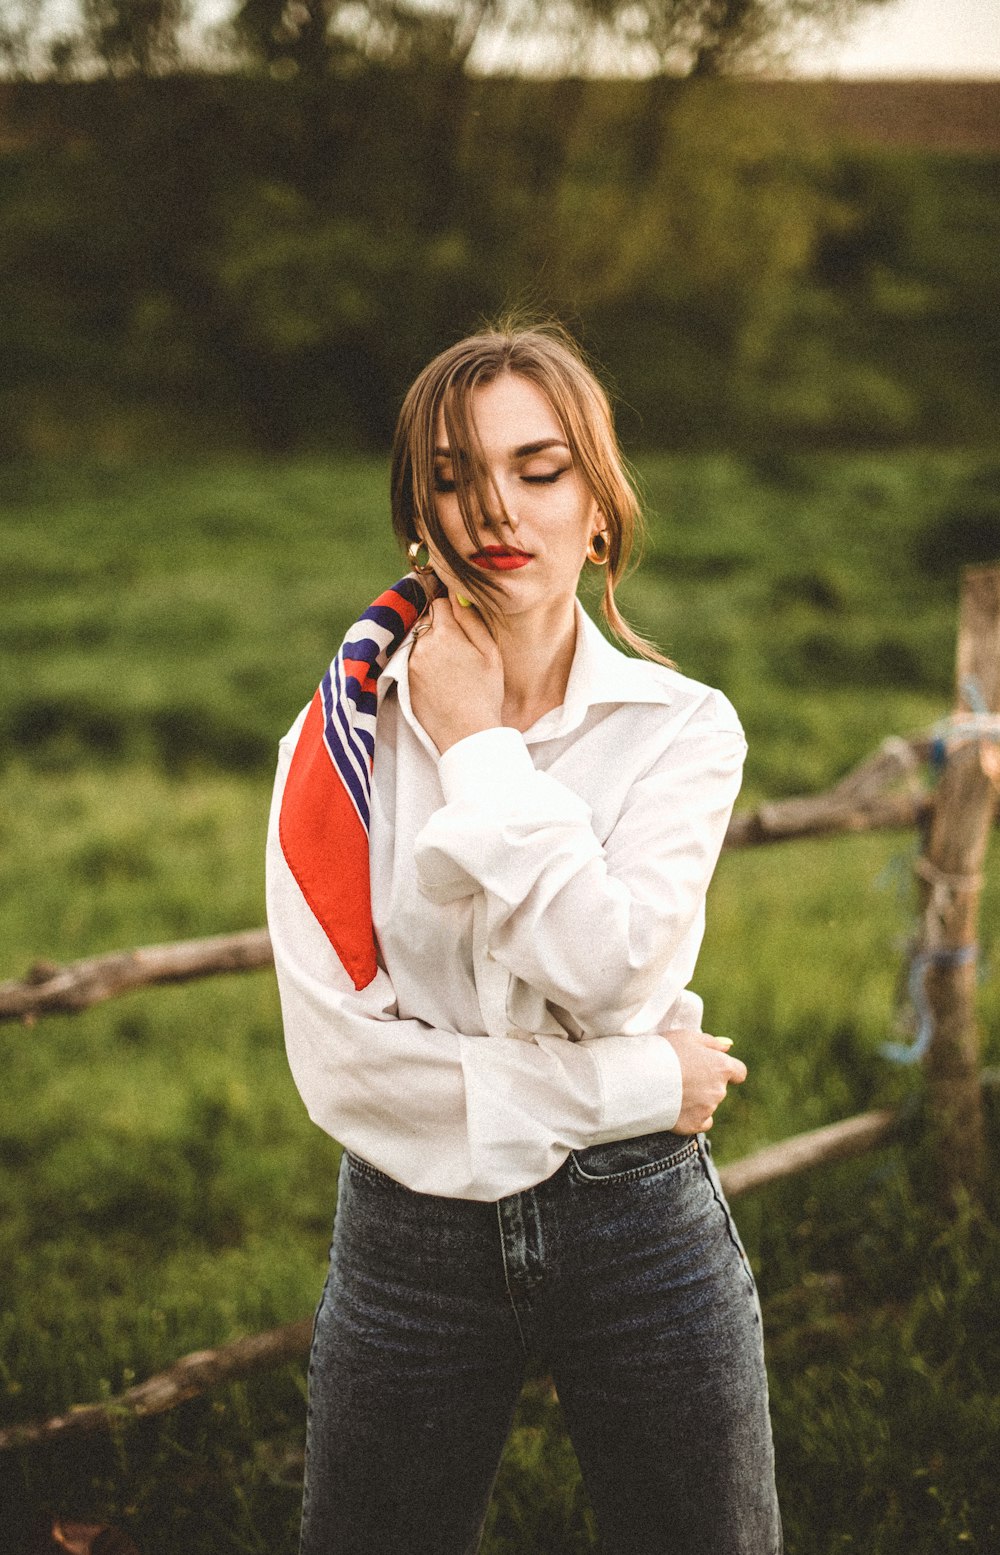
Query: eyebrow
[[523, 452]]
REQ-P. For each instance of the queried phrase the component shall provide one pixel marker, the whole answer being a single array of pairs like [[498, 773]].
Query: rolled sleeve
[[640, 1084], [493, 766]]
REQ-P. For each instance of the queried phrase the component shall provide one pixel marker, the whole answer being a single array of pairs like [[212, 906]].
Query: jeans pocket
[[364, 1171], [625, 1160]]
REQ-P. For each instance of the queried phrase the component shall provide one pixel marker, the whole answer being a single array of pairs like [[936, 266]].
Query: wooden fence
[[885, 791]]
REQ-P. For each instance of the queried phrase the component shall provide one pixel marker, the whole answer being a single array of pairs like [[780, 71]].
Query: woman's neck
[[537, 653]]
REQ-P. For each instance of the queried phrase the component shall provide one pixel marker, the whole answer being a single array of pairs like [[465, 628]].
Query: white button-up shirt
[[538, 901]]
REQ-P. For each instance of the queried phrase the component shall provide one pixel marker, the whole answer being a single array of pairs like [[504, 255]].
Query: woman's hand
[[456, 673], [706, 1070]]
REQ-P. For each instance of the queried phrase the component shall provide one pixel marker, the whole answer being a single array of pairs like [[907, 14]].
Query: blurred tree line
[[262, 253]]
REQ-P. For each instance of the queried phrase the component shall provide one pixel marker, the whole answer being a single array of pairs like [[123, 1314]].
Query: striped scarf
[[325, 808]]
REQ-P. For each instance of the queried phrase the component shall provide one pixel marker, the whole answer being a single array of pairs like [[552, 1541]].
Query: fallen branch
[[789, 819], [191, 1375], [860, 801], [49, 988], [835, 1142]]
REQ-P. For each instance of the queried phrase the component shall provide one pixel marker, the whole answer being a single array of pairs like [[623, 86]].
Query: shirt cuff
[[489, 766], [640, 1084]]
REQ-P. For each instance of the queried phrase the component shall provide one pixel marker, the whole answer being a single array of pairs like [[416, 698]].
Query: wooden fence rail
[[206, 1369], [864, 800], [289, 1344]]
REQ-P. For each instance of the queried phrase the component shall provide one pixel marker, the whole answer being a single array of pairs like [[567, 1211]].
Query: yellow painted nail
[[463, 601]]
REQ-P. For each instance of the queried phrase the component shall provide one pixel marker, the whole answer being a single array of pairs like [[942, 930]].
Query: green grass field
[[160, 1186]]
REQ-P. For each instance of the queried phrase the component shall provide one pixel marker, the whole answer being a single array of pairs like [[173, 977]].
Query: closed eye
[[545, 480]]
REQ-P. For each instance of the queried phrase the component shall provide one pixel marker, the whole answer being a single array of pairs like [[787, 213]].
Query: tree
[[308, 37], [680, 37], [311, 38], [135, 36], [34, 41], [292, 37], [688, 37]]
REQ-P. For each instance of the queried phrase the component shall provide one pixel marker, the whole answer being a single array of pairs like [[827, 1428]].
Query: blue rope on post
[[913, 1052], [971, 728], [958, 729], [974, 727], [972, 693]]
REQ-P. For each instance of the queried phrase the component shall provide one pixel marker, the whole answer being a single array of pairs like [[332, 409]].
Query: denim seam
[[634, 1173], [506, 1280], [365, 1169], [734, 1235], [310, 1375]]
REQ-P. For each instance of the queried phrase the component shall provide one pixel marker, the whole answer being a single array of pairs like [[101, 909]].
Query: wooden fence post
[[950, 884]]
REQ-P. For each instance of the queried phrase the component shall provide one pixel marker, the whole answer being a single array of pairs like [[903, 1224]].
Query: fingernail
[[462, 600], [727, 1040]]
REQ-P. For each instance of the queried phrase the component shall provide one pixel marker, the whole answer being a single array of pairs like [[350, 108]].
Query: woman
[[528, 821]]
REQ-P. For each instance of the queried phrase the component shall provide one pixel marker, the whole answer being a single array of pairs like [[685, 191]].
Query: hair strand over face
[[546, 357]]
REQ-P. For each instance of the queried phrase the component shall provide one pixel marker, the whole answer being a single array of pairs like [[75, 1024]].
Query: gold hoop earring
[[413, 551], [599, 549]]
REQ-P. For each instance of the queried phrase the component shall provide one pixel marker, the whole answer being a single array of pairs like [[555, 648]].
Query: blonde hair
[[547, 357]]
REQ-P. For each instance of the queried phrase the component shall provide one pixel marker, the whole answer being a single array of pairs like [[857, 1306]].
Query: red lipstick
[[500, 558]]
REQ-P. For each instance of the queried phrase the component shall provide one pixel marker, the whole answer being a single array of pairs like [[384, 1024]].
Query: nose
[[502, 512]]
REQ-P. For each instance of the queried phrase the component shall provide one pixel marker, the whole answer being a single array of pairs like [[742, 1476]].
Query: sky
[[914, 38]]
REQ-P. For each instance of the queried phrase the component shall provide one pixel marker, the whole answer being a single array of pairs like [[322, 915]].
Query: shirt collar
[[600, 673]]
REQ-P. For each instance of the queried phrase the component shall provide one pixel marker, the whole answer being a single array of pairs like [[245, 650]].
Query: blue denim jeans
[[624, 1274]]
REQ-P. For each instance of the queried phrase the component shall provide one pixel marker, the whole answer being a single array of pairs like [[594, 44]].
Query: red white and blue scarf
[[325, 809]]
